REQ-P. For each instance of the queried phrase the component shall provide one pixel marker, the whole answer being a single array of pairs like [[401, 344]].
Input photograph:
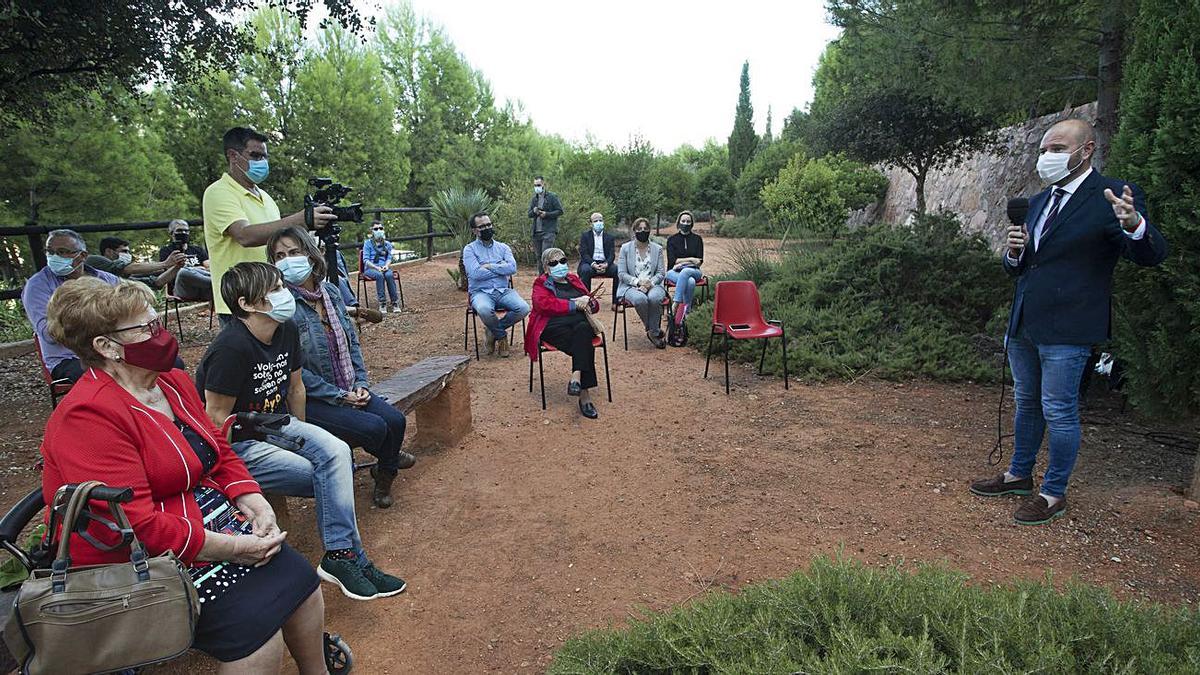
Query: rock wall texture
[[977, 190]]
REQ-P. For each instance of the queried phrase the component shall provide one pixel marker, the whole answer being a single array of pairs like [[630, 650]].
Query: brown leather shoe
[[368, 314], [382, 494], [657, 340], [996, 486], [489, 342], [1036, 511], [502, 348]]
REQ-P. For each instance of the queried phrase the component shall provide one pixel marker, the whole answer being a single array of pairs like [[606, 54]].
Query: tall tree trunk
[[920, 176], [1112, 41]]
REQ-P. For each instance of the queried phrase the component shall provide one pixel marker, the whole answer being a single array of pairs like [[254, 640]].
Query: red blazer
[[545, 305], [101, 432]]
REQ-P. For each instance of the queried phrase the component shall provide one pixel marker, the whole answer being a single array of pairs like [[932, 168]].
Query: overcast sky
[[665, 69]]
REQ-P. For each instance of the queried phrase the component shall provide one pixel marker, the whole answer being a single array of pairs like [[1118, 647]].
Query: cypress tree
[[1157, 311], [742, 142]]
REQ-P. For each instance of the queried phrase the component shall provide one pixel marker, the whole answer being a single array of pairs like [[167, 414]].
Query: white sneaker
[[395, 308]]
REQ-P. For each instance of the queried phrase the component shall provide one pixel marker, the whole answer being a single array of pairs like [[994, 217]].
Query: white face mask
[[1055, 166], [125, 257]]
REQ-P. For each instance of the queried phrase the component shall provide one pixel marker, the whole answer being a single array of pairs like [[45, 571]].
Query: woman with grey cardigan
[[640, 271]]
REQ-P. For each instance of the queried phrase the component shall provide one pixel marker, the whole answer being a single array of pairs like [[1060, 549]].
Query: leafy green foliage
[[625, 176], [816, 195], [454, 206], [1157, 310], [714, 188], [896, 302], [843, 616], [765, 166], [913, 131], [742, 141], [580, 200]]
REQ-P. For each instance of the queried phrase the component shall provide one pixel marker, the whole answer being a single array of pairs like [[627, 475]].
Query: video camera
[[180, 240], [328, 193]]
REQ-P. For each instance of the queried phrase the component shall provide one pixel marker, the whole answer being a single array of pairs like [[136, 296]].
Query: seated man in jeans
[[254, 364], [489, 265], [193, 281]]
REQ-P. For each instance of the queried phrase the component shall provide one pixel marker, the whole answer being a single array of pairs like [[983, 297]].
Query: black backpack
[[677, 333]]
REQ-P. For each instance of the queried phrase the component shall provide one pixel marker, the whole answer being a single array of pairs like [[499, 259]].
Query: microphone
[[1017, 208]]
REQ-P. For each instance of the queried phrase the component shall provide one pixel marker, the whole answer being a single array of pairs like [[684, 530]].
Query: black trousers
[[586, 273], [575, 339]]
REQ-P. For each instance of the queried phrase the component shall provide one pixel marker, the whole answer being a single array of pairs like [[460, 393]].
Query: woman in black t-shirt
[[685, 254]]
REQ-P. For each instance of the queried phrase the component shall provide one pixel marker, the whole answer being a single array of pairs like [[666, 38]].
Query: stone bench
[[438, 390]]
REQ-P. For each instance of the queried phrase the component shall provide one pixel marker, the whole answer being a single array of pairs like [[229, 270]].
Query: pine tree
[[1156, 310], [742, 142]]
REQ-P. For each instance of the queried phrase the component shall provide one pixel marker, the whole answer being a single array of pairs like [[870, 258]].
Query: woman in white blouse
[[640, 271]]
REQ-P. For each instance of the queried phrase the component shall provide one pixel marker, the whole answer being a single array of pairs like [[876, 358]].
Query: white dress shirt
[[598, 247]]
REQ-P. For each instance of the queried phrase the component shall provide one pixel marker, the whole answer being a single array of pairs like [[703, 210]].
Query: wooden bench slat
[[420, 382]]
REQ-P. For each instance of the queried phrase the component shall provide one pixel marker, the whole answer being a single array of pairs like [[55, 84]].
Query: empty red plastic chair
[[737, 314]]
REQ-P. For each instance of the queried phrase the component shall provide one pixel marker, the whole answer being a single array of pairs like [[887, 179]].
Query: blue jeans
[[377, 428], [321, 468], [1046, 391], [348, 298], [485, 304], [685, 283], [378, 277]]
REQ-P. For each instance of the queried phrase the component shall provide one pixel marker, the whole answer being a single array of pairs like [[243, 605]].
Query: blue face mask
[[378, 234], [258, 170], [295, 269], [60, 266], [283, 305], [537, 189], [598, 226], [559, 272]]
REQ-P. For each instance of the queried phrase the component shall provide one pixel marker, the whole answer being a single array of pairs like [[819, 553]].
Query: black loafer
[[588, 410], [573, 388]]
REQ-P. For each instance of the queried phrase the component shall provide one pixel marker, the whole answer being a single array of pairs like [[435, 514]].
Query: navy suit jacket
[[587, 247], [1064, 288]]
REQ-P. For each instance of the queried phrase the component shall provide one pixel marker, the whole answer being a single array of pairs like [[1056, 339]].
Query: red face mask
[[157, 354]]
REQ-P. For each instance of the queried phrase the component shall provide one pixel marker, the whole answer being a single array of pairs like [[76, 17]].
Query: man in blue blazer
[[1063, 259], [597, 253]]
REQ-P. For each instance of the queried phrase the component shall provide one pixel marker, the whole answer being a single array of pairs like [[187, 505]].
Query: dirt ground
[[543, 523]]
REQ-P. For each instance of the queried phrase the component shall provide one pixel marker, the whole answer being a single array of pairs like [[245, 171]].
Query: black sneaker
[[386, 584], [348, 576], [1037, 511], [997, 486]]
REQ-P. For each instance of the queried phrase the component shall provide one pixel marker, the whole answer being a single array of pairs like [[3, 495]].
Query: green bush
[[453, 206], [1157, 311], [579, 201], [754, 226], [844, 617], [896, 302], [816, 195], [763, 167]]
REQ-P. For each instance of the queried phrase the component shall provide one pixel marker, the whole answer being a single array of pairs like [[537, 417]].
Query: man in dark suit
[[597, 254], [1063, 259], [544, 210]]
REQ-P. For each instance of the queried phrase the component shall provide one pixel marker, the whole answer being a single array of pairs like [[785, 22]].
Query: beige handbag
[[100, 618]]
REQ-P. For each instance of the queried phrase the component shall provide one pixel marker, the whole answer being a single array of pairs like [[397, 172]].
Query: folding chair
[[544, 349], [363, 280], [619, 307], [737, 314], [474, 326], [169, 297], [58, 388]]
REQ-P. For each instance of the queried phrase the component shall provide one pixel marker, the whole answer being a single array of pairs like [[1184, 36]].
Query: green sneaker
[[386, 584], [349, 577]]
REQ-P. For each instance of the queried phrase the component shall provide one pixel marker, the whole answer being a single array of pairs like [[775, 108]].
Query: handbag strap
[[74, 508]]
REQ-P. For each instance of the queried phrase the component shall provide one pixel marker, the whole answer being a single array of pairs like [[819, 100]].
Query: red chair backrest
[[37, 345], [737, 302]]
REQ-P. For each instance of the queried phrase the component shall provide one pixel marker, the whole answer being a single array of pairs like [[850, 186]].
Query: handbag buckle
[[58, 575], [138, 558]]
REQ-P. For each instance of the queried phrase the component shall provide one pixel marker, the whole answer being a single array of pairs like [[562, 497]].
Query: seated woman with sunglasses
[[335, 379], [559, 302], [377, 259], [133, 420]]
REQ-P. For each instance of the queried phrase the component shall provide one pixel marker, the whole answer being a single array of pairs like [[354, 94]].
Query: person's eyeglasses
[[65, 252], [560, 261], [377, 229], [155, 326]]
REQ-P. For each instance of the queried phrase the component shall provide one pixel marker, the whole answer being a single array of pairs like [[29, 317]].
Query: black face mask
[[486, 233], [685, 227], [642, 236]]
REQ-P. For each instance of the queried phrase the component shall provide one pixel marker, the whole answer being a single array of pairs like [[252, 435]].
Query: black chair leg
[[531, 374], [762, 357], [783, 345], [400, 288], [607, 376], [726, 345], [542, 379], [614, 327], [466, 318], [708, 352], [475, 333], [624, 328]]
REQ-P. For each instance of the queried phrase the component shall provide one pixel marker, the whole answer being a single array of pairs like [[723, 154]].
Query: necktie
[[1054, 204]]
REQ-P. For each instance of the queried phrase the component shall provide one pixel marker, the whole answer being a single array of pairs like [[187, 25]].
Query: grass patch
[[843, 617]]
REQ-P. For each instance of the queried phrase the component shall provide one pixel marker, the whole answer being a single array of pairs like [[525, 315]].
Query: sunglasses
[[377, 229], [560, 261]]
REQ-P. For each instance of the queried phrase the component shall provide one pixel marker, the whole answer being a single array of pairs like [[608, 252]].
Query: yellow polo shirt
[[226, 202]]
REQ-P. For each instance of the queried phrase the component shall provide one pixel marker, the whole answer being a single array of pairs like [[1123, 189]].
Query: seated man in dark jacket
[[597, 255]]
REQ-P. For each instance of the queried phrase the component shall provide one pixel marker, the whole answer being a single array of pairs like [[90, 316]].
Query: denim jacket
[[317, 373], [378, 254]]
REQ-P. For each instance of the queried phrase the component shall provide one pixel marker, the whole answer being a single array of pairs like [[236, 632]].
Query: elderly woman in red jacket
[[559, 302], [134, 421]]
